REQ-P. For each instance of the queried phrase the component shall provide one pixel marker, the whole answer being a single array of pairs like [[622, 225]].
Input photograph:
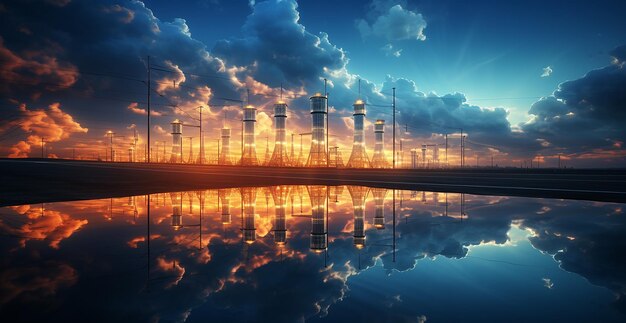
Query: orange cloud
[[33, 68], [134, 108], [53, 125], [53, 226]]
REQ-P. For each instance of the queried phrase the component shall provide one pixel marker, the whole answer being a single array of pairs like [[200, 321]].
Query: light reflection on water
[[313, 252]]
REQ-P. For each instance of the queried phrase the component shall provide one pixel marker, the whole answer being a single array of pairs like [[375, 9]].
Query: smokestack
[[379, 200], [379, 160], [177, 141], [280, 194], [358, 157], [319, 234], [359, 194], [317, 155], [279, 156], [249, 146], [248, 196]]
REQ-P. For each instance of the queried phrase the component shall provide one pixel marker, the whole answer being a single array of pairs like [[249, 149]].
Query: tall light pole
[[149, 150], [394, 128], [327, 143]]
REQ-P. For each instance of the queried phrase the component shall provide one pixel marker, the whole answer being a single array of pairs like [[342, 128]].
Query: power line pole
[[149, 149], [42, 143], [327, 143], [446, 150], [394, 131]]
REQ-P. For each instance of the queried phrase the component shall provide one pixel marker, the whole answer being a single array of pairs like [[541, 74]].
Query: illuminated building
[[280, 194], [248, 197], [319, 113], [423, 155], [358, 157], [249, 147], [224, 158], [319, 233], [224, 196], [379, 160], [379, 201], [359, 194], [177, 141], [131, 154], [177, 208], [279, 156]]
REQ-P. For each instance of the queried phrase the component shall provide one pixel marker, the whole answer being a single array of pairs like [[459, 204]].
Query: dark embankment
[[39, 180]]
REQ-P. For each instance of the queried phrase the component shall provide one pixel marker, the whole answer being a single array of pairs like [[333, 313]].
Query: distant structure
[[359, 194], [201, 156], [224, 158], [224, 197], [280, 195], [319, 113], [423, 155], [414, 160], [379, 201], [280, 156], [177, 208], [248, 157], [131, 154], [177, 141], [358, 157], [379, 160], [319, 234], [248, 196]]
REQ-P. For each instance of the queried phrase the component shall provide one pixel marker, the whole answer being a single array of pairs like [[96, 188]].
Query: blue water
[[451, 257]]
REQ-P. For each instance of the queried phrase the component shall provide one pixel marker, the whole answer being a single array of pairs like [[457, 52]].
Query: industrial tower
[[319, 113], [177, 142], [379, 160], [358, 157], [224, 198], [248, 157], [280, 194], [319, 232], [177, 208], [279, 156], [224, 158], [248, 197], [379, 201], [359, 194]]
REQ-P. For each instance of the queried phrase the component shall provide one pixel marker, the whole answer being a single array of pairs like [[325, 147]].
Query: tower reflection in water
[[182, 246], [290, 206]]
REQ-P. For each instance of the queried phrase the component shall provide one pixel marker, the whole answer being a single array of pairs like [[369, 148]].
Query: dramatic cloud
[[52, 125], [276, 48], [584, 116], [547, 71], [33, 69], [105, 69], [134, 108], [395, 24]]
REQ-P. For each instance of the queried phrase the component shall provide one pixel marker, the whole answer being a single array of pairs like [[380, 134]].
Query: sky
[[523, 79]]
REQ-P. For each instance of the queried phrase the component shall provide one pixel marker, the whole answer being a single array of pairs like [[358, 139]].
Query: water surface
[[317, 253]]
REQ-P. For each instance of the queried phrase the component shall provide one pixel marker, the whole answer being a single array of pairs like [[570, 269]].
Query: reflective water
[[316, 253]]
